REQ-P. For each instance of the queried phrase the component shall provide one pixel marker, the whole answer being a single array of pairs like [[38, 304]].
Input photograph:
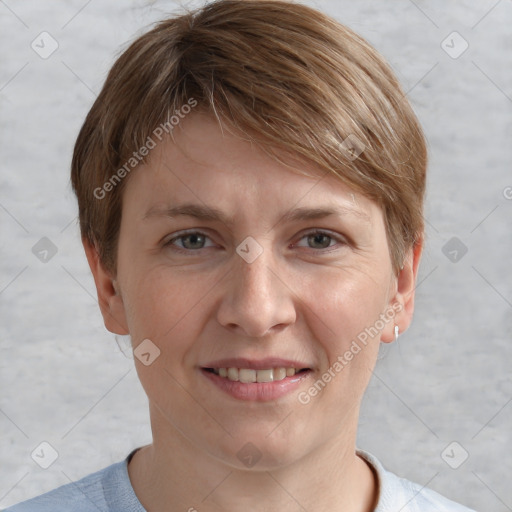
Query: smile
[[261, 384], [249, 375]]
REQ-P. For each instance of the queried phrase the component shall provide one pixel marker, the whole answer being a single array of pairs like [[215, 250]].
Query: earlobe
[[109, 299], [403, 301]]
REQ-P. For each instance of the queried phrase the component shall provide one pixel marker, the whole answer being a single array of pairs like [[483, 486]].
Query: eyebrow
[[320, 213], [208, 213]]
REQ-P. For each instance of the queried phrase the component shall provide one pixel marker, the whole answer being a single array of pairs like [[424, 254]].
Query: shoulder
[[397, 493], [97, 492]]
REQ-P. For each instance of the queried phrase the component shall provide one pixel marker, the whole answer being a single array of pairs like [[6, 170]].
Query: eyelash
[[340, 240]]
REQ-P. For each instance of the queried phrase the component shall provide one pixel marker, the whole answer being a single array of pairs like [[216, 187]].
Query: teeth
[[265, 375], [280, 373], [233, 373], [247, 375]]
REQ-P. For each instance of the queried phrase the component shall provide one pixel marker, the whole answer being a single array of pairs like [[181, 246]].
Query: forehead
[[207, 165]]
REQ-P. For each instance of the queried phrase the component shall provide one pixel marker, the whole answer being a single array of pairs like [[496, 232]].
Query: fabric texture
[[110, 490]]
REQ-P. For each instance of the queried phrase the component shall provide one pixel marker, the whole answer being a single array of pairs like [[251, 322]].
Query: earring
[[124, 342], [397, 331]]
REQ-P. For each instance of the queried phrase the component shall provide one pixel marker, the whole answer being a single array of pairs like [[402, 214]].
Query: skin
[[303, 298]]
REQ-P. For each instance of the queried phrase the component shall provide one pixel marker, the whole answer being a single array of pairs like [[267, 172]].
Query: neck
[[172, 474]]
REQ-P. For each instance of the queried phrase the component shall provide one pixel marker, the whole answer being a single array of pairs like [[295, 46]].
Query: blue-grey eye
[[319, 240], [192, 241]]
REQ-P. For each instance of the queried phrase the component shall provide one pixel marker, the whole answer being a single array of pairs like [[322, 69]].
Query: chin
[[258, 451]]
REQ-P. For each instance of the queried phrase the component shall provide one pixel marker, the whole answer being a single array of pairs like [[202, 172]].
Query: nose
[[256, 299]]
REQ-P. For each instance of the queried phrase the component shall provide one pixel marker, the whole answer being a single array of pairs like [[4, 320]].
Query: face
[[230, 263]]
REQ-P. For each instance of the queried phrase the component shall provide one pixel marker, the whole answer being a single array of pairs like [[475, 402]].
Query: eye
[[320, 240], [189, 241]]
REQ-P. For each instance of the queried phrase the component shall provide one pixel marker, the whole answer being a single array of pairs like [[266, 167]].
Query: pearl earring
[[397, 331]]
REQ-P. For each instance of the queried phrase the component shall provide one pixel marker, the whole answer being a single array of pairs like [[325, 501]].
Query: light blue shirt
[[110, 490]]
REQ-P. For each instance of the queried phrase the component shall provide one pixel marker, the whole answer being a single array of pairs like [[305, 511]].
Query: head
[[254, 109]]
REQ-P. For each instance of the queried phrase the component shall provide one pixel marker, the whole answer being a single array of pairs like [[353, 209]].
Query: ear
[[110, 301], [403, 301]]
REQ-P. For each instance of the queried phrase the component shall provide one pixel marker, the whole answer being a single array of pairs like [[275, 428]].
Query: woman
[[250, 185]]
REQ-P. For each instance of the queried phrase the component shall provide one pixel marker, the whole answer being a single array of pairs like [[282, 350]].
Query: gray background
[[63, 379]]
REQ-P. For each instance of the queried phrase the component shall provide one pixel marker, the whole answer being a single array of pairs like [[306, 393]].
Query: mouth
[[251, 375], [260, 381]]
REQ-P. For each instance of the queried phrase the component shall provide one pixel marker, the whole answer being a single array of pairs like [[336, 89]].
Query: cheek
[[168, 307], [340, 307], [165, 305], [340, 313]]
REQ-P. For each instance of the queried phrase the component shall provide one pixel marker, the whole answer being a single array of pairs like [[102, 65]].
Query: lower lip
[[257, 391]]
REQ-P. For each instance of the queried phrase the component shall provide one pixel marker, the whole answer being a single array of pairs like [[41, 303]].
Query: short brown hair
[[291, 78]]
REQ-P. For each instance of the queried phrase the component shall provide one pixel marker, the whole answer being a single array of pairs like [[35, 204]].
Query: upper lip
[[256, 364]]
